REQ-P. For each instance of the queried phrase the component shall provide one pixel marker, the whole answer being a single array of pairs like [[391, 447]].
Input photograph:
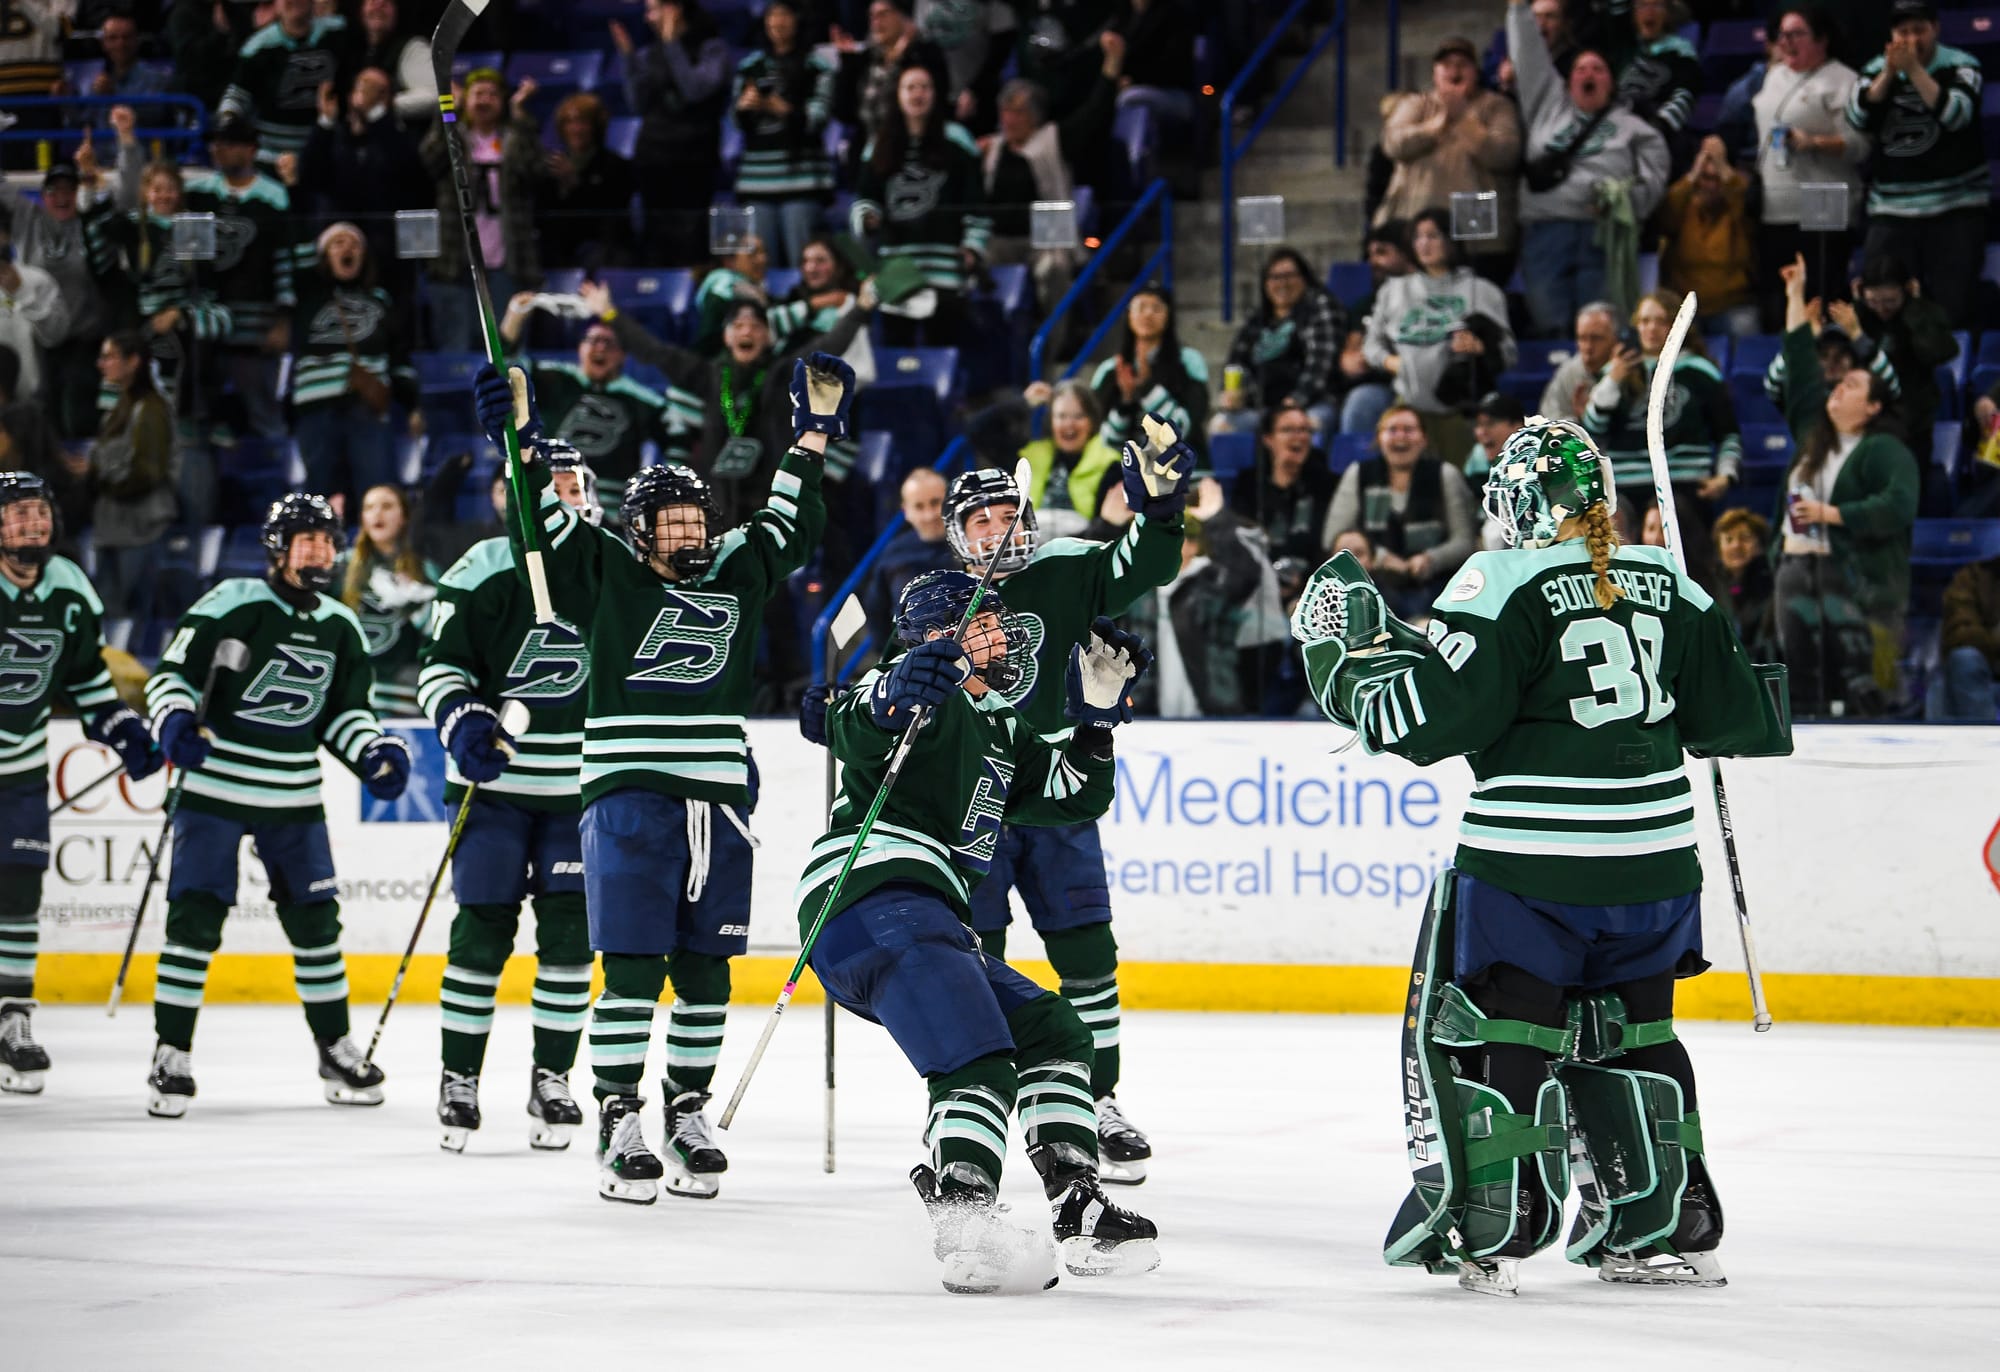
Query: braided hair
[[1601, 538]]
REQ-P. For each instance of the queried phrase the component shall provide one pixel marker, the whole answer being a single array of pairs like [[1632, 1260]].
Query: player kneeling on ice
[[1572, 674], [54, 625], [671, 621], [247, 735], [896, 946]]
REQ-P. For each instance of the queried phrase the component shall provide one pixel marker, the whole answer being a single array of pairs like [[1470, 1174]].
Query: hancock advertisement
[[1243, 842]]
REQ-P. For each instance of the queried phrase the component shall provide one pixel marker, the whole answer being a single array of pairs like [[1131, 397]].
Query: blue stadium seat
[[1135, 133], [928, 369], [1347, 449], [1947, 437], [779, 281], [1951, 378], [1229, 454], [557, 72], [1707, 112], [251, 474], [1649, 272], [1086, 210], [1730, 48], [662, 300], [242, 553], [561, 280], [1953, 542], [1976, 31], [410, 452], [732, 152], [1013, 289], [1749, 359], [444, 386], [912, 398], [1985, 372], [621, 134], [1350, 283], [473, 61], [1542, 355], [879, 474], [1766, 448], [188, 559]]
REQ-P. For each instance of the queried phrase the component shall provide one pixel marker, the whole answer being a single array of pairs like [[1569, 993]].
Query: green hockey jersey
[[484, 642], [1703, 437], [254, 252], [671, 661], [1071, 582], [306, 683], [1572, 717], [610, 422], [974, 765], [51, 640]]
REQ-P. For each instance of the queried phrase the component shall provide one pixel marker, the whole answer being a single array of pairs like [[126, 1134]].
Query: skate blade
[[549, 1138], [339, 1094], [1501, 1277], [166, 1107], [453, 1138], [1688, 1269], [640, 1191], [1087, 1257], [20, 1083], [976, 1274], [1112, 1172]]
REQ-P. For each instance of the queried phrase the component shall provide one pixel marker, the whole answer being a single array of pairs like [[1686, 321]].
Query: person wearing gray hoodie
[[1579, 142]]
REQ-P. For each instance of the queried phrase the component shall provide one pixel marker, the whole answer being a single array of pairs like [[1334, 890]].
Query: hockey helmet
[[19, 486], [1548, 471], [653, 489], [936, 602], [290, 516], [564, 457], [975, 490]]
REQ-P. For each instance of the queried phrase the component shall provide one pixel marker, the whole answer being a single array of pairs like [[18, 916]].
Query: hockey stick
[[1023, 475], [513, 720], [1663, 494], [848, 623], [451, 30], [111, 775], [230, 655]]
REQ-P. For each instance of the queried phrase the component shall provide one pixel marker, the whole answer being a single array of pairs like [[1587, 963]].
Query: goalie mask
[[564, 458], [977, 490], [26, 489], [1545, 473], [653, 489], [935, 603]]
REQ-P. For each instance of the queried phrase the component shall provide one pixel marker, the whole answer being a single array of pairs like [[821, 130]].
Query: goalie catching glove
[[1102, 673], [1352, 642], [822, 392], [1156, 472]]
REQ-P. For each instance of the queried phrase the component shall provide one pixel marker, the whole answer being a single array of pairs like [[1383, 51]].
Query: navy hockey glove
[[812, 712], [126, 734], [385, 767], [182, 741], [1102, 673], [494, 400], [1156, 472], [822, 391], [479, 747], [926, 676]]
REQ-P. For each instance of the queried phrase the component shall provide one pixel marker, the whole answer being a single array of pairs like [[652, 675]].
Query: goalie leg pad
[[1641, 1177]]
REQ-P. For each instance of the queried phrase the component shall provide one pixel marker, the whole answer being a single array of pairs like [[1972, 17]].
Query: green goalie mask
[[1547, 472]]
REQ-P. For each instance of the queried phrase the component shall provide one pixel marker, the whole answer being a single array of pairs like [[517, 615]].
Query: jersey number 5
[[1626, 669], [688, 643]]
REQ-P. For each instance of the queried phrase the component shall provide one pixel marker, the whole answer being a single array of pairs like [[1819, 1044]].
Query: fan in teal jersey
[[1057, 589], [671, 620], [1572, 674], [51, 645], [520, 838], [390, 586], [253, 768], [895, 947]]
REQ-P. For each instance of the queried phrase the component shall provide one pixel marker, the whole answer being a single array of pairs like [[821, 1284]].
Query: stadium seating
[[1953, 542], [1351, 283], [1230, 454]]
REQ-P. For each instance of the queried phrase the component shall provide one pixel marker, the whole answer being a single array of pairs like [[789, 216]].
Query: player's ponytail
[[1602, 541]]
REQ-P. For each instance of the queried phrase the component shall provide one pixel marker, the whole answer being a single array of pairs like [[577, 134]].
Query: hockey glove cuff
[[182, 741], [1102, 673], [126, 734], [471, 733], [1156, 472], [497, 399], [385, 767], [925, 676], [822, 392]]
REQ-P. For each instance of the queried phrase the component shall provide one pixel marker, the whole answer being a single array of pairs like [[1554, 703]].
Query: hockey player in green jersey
[[895, 947], [520, 837], [51, 645], [671, 620], [1056, 590], [1572, 674], [253, 768]]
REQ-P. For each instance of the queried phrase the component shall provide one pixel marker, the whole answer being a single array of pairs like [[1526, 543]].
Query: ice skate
[[627, 1169], [1657, 1267], [22, 1061], [552, 1108], [1491, 1276], [981, 1251], [346, 1077], [1097, 1237], [458, 1109], [172, 1082], [1122, 1150], [694, 1162]]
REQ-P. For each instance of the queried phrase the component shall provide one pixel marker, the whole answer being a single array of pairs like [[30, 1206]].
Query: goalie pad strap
[[1513, 1136], [1460, 1024]]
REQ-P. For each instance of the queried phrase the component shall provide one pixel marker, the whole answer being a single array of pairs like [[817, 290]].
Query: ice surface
[[1859, 1168]]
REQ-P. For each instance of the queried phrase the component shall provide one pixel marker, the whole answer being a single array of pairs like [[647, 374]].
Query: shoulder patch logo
[[1469, 585]]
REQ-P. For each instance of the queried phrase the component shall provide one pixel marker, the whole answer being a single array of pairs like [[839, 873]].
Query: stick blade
[[1024, 479], [1656, 427], [848, 622]]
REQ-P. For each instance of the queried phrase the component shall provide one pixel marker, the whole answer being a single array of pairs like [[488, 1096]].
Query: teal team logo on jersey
[[979, 832], [1028, 653], [551, 664], [687, 646], [295, 682], [27, 660]]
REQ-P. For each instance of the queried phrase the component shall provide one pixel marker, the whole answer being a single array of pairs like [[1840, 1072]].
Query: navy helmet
[[653, 489], [975, 490], [936, 602], [15, 486], [290, 516]]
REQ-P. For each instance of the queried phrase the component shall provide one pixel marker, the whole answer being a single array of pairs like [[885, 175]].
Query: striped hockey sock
[[619, 1029], [694, 1044], [1057, 1105], [968, 1124], [177, 993], [19, 941], [320, 974], [560, 1009], [1096, 1003], [467, 1000]]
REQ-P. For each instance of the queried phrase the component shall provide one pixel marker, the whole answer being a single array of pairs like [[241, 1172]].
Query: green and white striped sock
[[968, 1124], [177, 992], [467, 1000], [1057, 1105], [694, 1044], [320, 975], [20, 940], [620, 1027], [1096, 1004], [560, 1008]]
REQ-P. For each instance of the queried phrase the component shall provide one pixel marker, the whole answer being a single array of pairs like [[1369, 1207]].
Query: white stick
[[1663, 494]]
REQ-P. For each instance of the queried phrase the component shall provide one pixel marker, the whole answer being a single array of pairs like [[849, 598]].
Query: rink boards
[[1250, 869]]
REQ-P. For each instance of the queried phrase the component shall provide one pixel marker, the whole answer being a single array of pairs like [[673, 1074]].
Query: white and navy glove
[[497, 398], [925, 676], [479, 747], [1156, 472], [385, 767], [822, 393], [121, 730], [1102, 673]]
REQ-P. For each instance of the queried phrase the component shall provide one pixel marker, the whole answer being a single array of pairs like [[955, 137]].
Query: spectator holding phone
[[1803, 136]]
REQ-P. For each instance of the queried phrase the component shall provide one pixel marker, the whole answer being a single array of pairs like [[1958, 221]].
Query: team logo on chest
[[1027, 654], [595, 426], [979, 832], [913, 193], [364, 315], [295, 683], [687, 644], [234, 233], [550, 665], [27, 660]]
